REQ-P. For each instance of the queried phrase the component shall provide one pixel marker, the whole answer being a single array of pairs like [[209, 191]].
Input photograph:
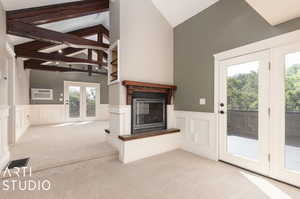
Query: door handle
[[222, 112]]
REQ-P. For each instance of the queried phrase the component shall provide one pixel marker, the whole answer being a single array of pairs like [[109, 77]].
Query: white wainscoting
[[119, 123], [22, 119], [103, 112], [53, 114], [171, 120], [199, 133], [47, 114], [4, 152], [147, 147]]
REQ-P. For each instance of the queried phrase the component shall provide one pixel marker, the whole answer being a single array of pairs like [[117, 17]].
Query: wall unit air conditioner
[[41, 94]]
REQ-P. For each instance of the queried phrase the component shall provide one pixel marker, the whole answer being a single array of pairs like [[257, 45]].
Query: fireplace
[[149, 112], [149, 103]]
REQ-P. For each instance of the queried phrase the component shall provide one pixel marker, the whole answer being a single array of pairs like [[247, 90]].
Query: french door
[[243, 111], [259, 112], [81, 100], [285, 114]]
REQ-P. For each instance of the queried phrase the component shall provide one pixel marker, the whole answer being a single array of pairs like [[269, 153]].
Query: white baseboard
[[199, 133]]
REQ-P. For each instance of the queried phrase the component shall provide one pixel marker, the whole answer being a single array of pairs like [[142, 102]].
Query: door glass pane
[[91, 102], [74, 101], [292, 112], [242, 110]]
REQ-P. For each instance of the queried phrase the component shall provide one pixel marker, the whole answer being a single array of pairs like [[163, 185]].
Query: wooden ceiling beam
[[56, 58], [84, 32], [30, 31], [58, 12], [65, 52], [60, 69]]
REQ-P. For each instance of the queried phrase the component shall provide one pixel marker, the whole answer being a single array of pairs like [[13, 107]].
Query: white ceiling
[[178, 11], [276, 11], [21, 4]]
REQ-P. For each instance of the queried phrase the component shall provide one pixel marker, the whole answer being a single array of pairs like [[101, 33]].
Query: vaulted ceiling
[[273, 11], [178, 11], [70, 25], [276, 11], [61, 26], [53, 36]]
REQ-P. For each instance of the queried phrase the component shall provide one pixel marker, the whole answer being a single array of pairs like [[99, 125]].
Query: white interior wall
[[4, 110], [146, 55], [22, 83], [146, 43]]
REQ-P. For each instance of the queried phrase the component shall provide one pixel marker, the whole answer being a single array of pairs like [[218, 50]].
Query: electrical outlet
[[202, 101]]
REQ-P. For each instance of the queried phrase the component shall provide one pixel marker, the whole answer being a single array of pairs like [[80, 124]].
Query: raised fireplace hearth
[[148, 105]]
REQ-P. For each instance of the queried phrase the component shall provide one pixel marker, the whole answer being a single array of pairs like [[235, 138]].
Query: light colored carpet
[[173, 175], [52, 145]]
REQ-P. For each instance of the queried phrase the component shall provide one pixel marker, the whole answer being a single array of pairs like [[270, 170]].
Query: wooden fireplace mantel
[[133, 86]]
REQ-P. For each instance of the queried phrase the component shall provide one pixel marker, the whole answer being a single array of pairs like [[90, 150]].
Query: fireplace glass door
[[148, 114]]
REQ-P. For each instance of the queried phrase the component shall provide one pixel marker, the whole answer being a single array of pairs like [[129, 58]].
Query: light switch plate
[[202, 101]]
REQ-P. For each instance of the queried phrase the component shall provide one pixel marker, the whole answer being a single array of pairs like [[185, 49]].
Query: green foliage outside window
[[292, 88], [242, 90]]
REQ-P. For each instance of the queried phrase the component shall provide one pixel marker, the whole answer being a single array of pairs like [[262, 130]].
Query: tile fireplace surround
[[135, 146]]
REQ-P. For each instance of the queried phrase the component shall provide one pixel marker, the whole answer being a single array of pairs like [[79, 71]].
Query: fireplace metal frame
[[136, 128]]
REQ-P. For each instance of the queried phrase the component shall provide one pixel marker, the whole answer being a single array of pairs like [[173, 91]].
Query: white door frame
[[82, 86], [267, 44], [279, 112], [261, 165]]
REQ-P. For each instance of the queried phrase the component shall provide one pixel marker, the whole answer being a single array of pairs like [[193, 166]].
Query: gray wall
[[55, 81], [225, 25], [114, 19]]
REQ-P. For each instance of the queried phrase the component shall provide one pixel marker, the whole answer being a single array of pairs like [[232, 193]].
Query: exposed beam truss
[[23, 23], [30, 31], [84, 32], [61, 69], [57, 58], [58, 12]]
